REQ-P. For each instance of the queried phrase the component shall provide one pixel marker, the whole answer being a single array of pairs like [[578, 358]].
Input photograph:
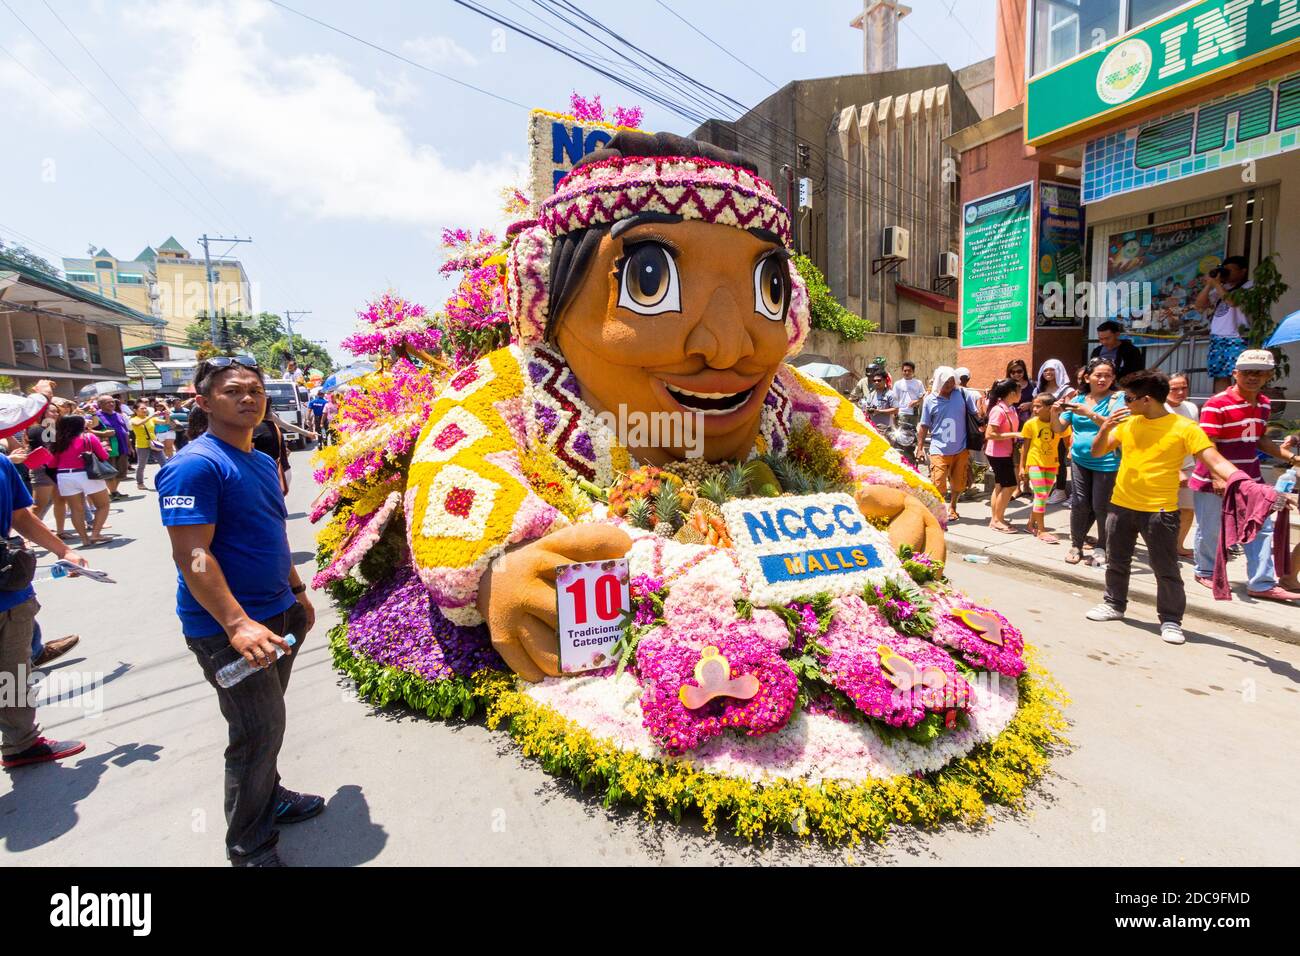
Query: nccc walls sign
[[1186, 49]]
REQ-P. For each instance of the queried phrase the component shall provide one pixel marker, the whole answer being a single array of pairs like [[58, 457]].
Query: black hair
[[572, 253], [197, 423], [1148, 383], [908, 363], [205, 376], [69, 428], [1241, 262], [1097, 363], [1020, 363], [1183, 375], [1002, 388], [36, 436], [1110, 325]]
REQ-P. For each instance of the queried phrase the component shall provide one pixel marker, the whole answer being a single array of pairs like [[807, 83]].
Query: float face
[[792, 657]]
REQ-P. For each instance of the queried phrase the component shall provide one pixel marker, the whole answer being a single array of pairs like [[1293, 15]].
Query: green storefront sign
[[997, 240], [1186, 49]]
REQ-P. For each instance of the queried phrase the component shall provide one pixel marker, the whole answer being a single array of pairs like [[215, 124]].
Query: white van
[[289, 402]]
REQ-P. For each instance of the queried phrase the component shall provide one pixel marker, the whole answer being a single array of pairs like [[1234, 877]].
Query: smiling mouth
[[709, 403]]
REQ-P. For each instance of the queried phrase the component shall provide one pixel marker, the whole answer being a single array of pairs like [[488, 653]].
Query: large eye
[[649, 284], [771, 288]]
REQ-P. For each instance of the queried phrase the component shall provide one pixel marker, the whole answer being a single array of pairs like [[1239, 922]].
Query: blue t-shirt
[[13, 497], [1085, 433], [317, 405], [946, 419], [210, 482]]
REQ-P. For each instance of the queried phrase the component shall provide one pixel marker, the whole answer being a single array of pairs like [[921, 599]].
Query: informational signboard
[[1196, 140], [997, 279], [1060, 251], [1186, 49], [555, 145], [591, 599], [1155, 273]]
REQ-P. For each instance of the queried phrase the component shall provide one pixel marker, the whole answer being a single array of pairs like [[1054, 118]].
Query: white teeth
[[683, 391]]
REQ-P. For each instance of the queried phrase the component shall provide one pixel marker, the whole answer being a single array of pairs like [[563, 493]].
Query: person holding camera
[[1226, 342]]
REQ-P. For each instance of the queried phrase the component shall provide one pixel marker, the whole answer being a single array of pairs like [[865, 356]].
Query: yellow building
[[168, 283]]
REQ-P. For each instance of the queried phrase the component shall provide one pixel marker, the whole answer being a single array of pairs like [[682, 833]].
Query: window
[[103, 264], [1144, 11], [130, 278], [80, 276], [1065, 28], [92, 340]]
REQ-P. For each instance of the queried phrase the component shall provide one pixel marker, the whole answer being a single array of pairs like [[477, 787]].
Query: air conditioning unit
[[949, 265], [27, 347], [54, 350], [79, 353], [895, 243]]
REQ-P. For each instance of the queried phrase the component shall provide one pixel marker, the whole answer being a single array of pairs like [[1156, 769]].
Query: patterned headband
[[602, 193]]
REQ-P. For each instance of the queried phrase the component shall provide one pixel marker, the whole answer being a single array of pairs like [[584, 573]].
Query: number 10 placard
[[591, 599]]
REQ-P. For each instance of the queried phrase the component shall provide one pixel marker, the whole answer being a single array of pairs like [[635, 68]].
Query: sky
[[127, 121]]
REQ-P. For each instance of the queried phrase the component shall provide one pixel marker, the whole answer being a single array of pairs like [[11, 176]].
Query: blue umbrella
[[1288, 330], [345, 375]]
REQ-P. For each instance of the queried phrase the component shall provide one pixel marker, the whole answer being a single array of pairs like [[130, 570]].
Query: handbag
[[974, 428], [17, 567], [96, 467]]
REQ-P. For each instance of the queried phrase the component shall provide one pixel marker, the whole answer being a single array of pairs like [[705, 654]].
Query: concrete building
[[1174, 128], [870, 147], [51, 328], [168, 283]]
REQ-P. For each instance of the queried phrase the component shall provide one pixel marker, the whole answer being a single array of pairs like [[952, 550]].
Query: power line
[[161, 138], [111, 115], [398, 56], [751, 69]]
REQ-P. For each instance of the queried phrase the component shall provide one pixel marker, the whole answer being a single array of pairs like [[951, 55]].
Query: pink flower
[[952, 631]]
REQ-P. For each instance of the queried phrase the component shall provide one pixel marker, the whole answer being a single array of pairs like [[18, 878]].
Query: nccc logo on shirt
[[178, 501]]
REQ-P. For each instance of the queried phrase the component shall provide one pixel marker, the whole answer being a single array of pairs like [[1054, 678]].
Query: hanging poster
[[1154, 274], [997, 240], [1060, 256]]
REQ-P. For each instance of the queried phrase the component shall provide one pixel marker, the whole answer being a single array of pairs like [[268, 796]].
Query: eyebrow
[[640, 219]]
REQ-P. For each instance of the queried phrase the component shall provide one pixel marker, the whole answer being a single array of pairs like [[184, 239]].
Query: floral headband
[[603, 193]]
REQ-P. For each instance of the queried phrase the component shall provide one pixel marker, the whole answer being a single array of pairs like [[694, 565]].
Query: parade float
[[781, 649]]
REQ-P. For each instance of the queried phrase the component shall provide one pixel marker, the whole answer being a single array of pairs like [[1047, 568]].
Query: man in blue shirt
[[238, 594], [943, 422], [317, 406], [21, 742]]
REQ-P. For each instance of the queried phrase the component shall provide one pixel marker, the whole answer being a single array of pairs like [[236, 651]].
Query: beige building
[[167, 283], [59, 330]]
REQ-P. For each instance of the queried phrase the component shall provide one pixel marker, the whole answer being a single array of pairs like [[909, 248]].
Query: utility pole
[[207, 274], [288, 318]]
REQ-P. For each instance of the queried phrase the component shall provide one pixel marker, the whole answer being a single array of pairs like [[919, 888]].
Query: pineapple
[[738, 477], [639, 513], [714, 490], [668, 507]]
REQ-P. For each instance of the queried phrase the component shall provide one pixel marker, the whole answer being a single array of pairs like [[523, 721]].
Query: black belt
[[69, 471]]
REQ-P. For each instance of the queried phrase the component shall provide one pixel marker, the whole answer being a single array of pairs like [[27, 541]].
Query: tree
[[20, 254], [263, 336]]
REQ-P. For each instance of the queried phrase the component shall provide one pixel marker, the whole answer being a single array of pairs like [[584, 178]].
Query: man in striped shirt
[[1235, 420]]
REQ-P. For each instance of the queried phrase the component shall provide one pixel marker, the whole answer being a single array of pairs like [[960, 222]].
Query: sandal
[[1074, 557], [1003, 527], [1048, 538]]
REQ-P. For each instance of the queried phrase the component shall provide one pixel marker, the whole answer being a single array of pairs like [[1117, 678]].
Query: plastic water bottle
[[975, 558], [235, 671], [59, 571], [1286, 483]]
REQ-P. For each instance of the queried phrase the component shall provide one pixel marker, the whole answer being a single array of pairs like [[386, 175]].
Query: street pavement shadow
[[1249, 655], [343, 835], [42, 804]]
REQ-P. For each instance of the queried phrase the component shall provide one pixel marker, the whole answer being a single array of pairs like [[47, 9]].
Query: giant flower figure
[[793, 657], [391, 323]]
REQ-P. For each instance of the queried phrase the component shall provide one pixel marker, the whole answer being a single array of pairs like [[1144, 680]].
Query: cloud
[[303, 127], [54, 98], [437, 50]]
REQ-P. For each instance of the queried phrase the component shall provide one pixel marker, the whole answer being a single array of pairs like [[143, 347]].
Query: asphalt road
[[1180, 754]]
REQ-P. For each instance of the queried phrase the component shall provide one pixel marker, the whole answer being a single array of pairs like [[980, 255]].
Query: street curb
[[1140, 592]]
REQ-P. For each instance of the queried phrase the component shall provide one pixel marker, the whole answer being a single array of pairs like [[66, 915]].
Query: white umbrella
[[823, 370], [95, 389]]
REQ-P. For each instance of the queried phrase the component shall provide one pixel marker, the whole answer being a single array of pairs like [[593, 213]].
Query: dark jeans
[[1159, 531], [1062, 474], [254, 712], [1090, 500]]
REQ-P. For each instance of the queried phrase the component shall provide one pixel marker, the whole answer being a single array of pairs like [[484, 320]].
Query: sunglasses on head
[[225, 361]]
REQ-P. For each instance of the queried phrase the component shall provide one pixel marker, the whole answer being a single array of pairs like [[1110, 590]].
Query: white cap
[[1256, 360], [961, 373]]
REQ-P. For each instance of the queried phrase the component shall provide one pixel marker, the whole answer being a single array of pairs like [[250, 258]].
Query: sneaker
[[1276, 593], [271, 858], [43, 751], [55, 649], [1058, 497], [1104, 612], [293, 807], [1171, 633]]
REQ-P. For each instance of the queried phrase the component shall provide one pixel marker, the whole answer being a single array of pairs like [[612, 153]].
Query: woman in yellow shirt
[[1040, 459], [142, 429]]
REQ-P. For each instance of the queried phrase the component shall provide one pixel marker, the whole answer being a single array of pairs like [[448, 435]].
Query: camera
[[1216, 272]]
